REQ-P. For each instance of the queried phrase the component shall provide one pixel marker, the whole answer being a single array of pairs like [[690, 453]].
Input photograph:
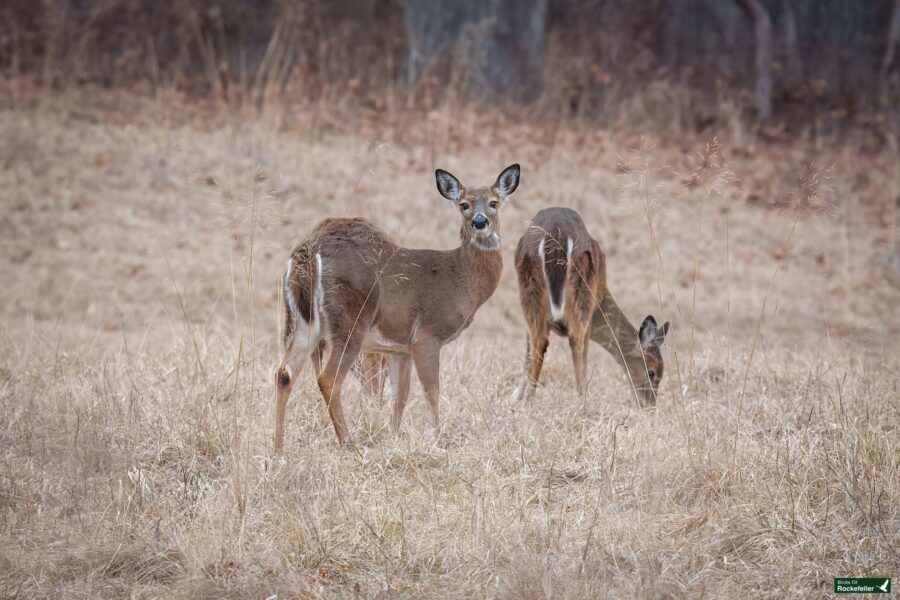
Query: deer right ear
[[449, 186]]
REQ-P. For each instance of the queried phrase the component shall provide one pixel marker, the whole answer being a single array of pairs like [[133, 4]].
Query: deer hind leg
[[540, 341], [580, 304], [578, 322], [578, 343], [399, 368], [340, 360], [426, 356], [535, 298]]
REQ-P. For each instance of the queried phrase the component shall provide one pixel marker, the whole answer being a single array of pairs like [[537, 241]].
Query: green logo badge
[[862, 585]]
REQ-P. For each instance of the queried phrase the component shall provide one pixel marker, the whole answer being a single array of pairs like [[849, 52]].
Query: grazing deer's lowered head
[[649, 368], [638, 351], [562, 287]]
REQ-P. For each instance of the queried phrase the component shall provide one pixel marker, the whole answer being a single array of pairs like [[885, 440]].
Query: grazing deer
[[562, 287], [349, 289]]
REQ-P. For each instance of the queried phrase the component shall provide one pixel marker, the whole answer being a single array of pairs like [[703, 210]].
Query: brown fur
[[379, 298], [588, 311]]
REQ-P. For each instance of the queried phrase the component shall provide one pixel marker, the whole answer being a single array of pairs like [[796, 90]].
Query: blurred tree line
[[778, 57]]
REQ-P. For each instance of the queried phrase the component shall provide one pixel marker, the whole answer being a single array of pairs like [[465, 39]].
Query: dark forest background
[[812, 66]]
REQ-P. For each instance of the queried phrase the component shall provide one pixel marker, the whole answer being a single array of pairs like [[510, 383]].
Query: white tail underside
[[558, 313], [305, 334]]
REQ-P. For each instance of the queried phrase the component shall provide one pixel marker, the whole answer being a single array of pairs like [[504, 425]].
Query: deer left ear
[[508, 181]]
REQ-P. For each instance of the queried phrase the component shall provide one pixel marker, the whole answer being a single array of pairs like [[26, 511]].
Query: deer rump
[[569, 270], [320, 293]]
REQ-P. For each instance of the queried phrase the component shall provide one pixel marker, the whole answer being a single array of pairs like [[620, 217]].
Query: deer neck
[[611, 329], [480, 268]]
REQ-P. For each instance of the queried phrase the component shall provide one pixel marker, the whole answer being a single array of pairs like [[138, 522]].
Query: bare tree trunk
[[497, 45], [892, 35], [762, 34], [793, 64]]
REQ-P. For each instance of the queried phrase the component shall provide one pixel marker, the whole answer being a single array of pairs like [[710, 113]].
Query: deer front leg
[[399, 368], [426, 356]]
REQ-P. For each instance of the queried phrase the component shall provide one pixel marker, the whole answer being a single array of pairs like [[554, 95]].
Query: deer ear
[[508, 181], [650, 334], [648, 331], [449, 186]]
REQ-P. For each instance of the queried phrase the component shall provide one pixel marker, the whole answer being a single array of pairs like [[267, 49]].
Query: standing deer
[[562, 287], [349, 289]]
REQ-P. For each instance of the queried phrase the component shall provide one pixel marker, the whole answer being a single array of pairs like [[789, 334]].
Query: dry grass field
[[141, 249]]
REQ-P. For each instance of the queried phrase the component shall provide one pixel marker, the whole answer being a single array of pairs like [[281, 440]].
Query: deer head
[[479, 207], [645, 366]]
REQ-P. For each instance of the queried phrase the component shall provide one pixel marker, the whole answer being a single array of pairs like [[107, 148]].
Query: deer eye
[[651, 374], [464, 205], [494, 204]]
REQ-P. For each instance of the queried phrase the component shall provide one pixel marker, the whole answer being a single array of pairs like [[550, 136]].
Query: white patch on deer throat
[[490, 243]]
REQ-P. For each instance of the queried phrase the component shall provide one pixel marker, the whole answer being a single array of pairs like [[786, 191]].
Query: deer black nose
[[480, 221]]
